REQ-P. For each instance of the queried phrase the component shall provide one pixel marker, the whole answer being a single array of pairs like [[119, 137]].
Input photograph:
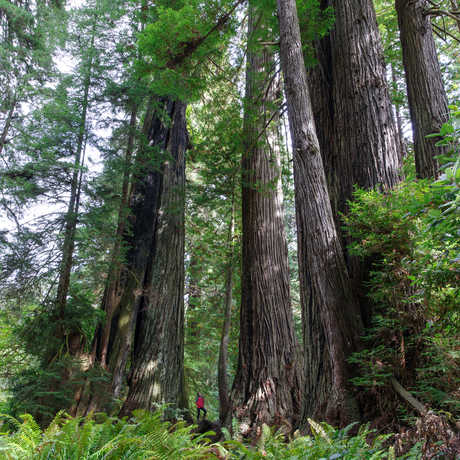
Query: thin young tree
[[225, 404]]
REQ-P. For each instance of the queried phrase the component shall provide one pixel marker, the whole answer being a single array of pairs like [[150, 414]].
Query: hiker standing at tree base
[[200, 406]]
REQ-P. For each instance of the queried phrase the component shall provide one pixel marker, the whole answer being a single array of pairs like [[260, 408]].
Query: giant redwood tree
[[145, 316], [266, 386], [352, 106], [325, 286], [358, 141], [425, 89], [157, 369]]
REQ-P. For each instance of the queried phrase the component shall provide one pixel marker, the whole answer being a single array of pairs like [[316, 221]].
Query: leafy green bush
[[146, 436], [326, 443], [412, 235]]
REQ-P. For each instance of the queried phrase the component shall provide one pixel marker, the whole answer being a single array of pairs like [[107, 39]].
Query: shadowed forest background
[[254, 200]]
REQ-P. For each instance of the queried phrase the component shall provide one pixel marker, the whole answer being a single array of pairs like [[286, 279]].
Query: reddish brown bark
[[427, 97], [325, 285], [266, 388], [157, 372]]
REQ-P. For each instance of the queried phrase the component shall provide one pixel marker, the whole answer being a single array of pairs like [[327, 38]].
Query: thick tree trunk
[[359, 146], [225, 404], [144, 201], [325, 285], [352, 106], [321, 82], [266, 388], [157, 372], [365, 133], [427, 97], [133, 283], [113, 340]]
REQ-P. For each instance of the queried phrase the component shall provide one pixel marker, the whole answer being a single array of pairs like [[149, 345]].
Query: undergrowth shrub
[[37, 369], [412, 233], [146, 436]]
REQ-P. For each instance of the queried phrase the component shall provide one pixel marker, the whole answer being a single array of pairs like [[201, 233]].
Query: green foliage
[[412, 235], [181, 42], [213, 169], [315, 22], [144, 436], [326, 442], [36, 365]]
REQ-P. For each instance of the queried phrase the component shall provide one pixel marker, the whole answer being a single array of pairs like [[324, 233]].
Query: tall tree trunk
[[85, 401], [157, 371], [427, 97], [399, 124], [225, 405], [352, 106], [194, 301], [266, 388], [7, 125], [365, 133], [321, 82], [359, 146], [325, 284], [124, 306], [111, 295], [71, 217], [143, 208]]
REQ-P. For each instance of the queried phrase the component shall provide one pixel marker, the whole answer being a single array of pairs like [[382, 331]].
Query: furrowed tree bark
[[143, 206], [111, 296], [225, 404], [358, 142], [266, 388], [427, 97], [325, 285], [365, 133], [113, 340], [352, 106], [157, 371]]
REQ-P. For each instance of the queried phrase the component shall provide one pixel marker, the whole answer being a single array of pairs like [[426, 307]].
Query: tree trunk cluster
[[343, 134], [145, 319]]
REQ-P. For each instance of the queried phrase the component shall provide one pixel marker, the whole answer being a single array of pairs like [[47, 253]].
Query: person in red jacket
[[199, 402]]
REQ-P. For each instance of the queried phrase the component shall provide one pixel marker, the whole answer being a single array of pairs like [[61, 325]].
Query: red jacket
[[200, 402]]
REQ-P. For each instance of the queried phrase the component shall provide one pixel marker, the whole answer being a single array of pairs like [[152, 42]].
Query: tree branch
[[415, 403], [445, 32], [191, 46]]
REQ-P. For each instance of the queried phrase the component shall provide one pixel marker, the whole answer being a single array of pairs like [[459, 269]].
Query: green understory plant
[[146, 436], [412, 233]]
